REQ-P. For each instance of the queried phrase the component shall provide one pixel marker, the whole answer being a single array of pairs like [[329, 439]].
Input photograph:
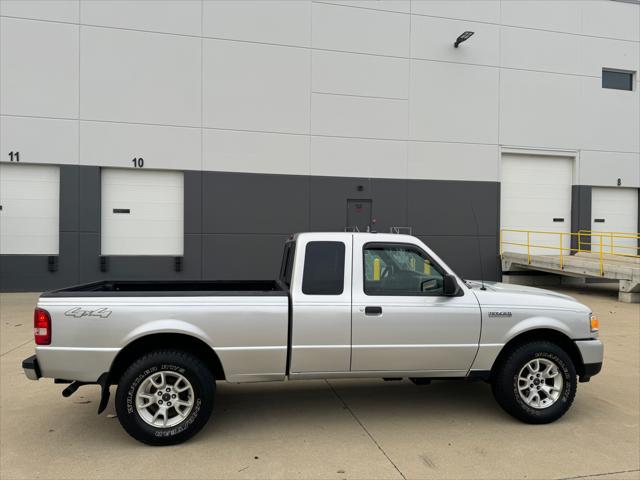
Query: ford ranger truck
[[345, 305]]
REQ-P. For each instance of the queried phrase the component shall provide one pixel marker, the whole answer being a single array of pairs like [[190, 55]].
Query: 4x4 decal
[[80, 312]]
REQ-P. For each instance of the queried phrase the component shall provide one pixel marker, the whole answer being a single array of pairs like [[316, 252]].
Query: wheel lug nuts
[[160, 402], [159, 393], [173, 396], [168, 404], [168, 389]]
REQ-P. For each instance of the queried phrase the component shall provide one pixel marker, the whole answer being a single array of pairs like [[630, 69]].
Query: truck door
[[321, 304], [401, 320]]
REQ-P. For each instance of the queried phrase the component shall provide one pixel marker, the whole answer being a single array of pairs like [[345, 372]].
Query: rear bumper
[[31, 368]]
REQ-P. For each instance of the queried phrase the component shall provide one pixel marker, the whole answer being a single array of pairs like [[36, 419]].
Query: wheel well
[[173, 341], [547, 335]]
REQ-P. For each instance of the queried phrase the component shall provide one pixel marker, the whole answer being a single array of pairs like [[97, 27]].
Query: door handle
[[373, 310]]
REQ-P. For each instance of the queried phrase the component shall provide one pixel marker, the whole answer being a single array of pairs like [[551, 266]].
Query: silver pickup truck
[[345, 305]]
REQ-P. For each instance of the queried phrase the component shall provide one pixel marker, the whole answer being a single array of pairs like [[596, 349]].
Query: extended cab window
[[393, 269], [323, 268]]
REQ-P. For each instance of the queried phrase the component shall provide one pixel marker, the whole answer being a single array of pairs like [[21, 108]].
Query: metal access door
[[359, 214]]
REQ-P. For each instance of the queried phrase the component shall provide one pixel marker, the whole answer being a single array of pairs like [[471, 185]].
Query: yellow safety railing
[[586, 241]]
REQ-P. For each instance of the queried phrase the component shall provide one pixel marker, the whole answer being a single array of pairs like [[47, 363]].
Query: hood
[[513, 288], [511, 294]]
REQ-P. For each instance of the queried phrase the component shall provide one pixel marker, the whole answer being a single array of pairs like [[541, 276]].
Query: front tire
[[165, 397], [536, 382]]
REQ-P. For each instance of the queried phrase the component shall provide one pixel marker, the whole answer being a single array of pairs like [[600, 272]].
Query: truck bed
[[172, 288]]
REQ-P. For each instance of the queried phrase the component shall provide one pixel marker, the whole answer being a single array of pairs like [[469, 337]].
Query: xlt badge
[[499, 314]]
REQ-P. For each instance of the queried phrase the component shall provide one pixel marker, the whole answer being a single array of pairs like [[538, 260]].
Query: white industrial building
[[188, 139]]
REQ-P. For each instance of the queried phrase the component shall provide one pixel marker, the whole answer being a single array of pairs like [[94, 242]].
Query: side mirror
[[449, 285]]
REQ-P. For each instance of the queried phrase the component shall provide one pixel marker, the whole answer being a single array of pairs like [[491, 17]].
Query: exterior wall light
[[463, 37]]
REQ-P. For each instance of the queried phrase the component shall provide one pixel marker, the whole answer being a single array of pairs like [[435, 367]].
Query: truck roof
[[373, 235]]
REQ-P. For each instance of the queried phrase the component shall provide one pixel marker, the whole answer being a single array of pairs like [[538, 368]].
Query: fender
[[536, 323], [166, 326], [489, 350]]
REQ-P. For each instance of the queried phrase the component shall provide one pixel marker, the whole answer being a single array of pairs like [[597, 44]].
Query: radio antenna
[[475, 219]]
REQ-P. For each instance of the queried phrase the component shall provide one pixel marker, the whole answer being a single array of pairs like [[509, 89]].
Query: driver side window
[[391, 269]]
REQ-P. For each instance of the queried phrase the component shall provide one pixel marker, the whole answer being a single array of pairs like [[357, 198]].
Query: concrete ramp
[[625, 270]]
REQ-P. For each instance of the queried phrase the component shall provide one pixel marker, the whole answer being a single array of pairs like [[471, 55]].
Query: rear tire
[[165, 397], [535, 383]]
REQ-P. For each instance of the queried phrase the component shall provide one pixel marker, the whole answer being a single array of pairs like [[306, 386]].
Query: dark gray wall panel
[[461, 253], [29, 273], [253, 203], [241, 256], [138, 266], [236, 225], [580, 213], [89, 199], [69, 205], [328, 201], [442, 207], [89, 256], [192, 202], [389, 203]]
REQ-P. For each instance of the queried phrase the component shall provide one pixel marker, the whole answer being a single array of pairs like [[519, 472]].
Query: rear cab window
[[323, 272]]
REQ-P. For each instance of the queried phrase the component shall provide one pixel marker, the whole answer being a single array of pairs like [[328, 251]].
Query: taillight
[[42, 327]]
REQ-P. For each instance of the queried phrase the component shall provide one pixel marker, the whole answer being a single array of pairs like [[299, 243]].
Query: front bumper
[[31, 368], [592, 352]]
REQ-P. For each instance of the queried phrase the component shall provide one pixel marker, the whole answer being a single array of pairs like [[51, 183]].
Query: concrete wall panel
[[346, 116], [453, 102], [603, 169], [139, 77], [347, 29], [52, 10], [39, 140], [259, 87], [433, 39], [361, 75], [540, 109], [240, 151], [350, 157], [38, 68], [167, 16], [110, 144], [281, 22]]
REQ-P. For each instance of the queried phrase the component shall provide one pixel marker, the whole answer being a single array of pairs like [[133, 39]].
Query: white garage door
[[536, 195], [30, 212], [142, 212], [614, 210]]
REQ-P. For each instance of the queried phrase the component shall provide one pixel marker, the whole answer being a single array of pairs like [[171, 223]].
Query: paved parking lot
[[334, 430]]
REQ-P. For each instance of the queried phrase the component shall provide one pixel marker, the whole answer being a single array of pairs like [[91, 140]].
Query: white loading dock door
[[142, 212], [30, 214], [535, 194], [614, 210]]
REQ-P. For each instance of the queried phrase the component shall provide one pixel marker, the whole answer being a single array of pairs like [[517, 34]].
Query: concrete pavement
[[333, 430]]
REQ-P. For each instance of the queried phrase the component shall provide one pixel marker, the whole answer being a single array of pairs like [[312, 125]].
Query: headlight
[[594, 324]]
